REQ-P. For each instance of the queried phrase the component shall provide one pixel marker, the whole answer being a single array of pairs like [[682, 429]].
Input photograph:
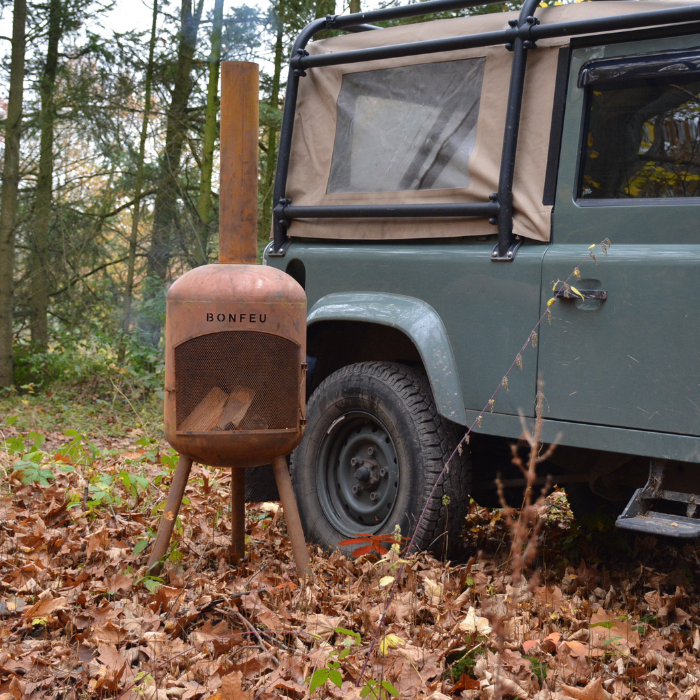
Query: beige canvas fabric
[[316, 121]]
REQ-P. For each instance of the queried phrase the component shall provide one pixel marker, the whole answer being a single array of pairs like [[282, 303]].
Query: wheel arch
[[346, 328]]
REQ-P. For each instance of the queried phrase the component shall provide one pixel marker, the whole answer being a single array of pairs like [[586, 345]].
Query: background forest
[[110, 170]]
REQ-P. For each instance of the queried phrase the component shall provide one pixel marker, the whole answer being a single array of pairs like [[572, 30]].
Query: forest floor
[[598, 616]]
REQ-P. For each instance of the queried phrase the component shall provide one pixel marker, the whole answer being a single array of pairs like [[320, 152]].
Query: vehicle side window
[[406, 128], [642, 128]]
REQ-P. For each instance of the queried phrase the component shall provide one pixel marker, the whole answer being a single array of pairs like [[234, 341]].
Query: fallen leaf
[[610, 627], [593, 691], [527, 645], [119, 583], [576, 648], [231, 687], [98, 540], [390, 641], [108, 634], [465, 682], [322, 625], [46, 606], [474, 624], [109, 656]]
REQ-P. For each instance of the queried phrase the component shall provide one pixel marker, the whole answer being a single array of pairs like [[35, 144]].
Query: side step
[[639, 516]]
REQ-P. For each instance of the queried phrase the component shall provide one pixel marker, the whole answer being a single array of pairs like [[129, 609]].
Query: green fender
[[417, 320]]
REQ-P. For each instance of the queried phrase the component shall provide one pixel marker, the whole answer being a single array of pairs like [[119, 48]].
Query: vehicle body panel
[[420, 322], [487, 309], [631, 361], [644, 443]]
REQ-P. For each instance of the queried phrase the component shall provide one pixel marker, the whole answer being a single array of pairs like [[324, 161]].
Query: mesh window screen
[[407, 128], [237, 380]]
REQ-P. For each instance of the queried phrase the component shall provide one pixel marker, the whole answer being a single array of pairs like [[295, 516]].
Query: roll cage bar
[[520, 37]]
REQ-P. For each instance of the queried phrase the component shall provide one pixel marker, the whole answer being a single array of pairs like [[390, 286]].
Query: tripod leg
[[291, 515], [172, 508], [237, 514]]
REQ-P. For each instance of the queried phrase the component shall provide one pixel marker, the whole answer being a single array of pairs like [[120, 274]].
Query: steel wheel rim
[[366, 508]]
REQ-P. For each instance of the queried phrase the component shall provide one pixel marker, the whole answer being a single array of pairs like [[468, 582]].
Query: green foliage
[[141, 545], [378, 690], [348, 643], [151, 583], [465, 660], [102, 492], [608, 624], [91, 360], [612, 640], [83, 384], [32, 463], [80, 450], [133, 483], [329, 672], [31, 471], [538, 667]]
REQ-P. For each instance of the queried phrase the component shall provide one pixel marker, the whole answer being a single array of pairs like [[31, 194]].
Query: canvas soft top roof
[[427, 129]]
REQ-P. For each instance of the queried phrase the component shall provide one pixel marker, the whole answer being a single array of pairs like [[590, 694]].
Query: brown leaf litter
[[79, 617]]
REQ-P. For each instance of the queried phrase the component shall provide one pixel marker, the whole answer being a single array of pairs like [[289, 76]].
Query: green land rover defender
[[437, 184]]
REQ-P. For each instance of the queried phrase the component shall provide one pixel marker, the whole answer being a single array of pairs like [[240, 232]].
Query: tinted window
[[642, 140], [407, 128]]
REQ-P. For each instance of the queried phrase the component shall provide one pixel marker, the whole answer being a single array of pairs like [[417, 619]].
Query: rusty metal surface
[[291, 515], [234, 368], [167, 521], [238, 193], [235, 334]]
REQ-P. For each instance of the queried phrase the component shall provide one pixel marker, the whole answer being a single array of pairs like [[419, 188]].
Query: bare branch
[[78, 278]]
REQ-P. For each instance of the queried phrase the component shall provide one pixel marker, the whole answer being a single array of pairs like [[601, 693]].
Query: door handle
[[567, 293]]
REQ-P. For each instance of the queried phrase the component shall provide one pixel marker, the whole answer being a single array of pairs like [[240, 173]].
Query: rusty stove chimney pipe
[[238, 210], [238, 193]]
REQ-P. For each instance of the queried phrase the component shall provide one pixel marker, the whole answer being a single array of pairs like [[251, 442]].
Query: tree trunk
[[10, 187], [165, 208], [204, 204], [133, 239], [355, 6], [271, 158], [323, 9], [39, 264]]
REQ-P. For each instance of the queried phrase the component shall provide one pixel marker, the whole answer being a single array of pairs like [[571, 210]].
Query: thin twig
[[251, 628]]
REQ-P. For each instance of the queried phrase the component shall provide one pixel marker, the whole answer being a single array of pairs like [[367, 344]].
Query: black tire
[[382, 414]]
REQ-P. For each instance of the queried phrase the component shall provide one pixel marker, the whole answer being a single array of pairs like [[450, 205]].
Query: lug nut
[[382, 472], [353, 462], [374, 495], [370, 451], [355, 489]]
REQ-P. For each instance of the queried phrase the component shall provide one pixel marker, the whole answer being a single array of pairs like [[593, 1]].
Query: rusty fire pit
[[235, 365], [235, 343]]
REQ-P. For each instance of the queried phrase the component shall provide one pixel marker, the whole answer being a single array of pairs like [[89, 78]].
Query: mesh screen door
[[237, 380]]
